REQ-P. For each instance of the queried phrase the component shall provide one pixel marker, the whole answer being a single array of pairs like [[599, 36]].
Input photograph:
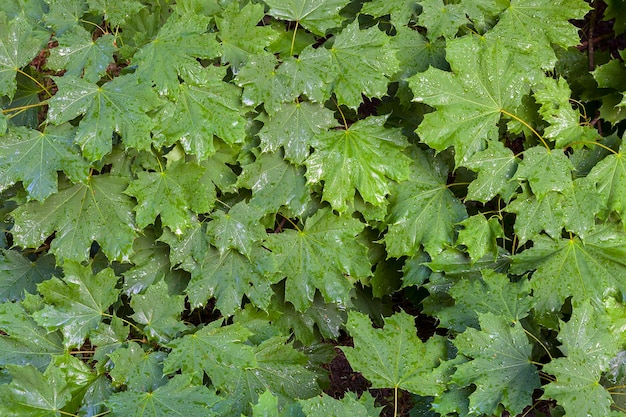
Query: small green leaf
[[394, 357], [137, 369], [18, 274], [355, 160], [326, 406], [34, 158], [314, 15], [441, 19], [115, 12], [325, 255], [77, 304], [159, 312], [496, 166], [32, 393], [545, 170], [609, 177], [179, 397], [238, 229], [480, 235], [262, 85], [295, 127], [79, 55], [501, 368]]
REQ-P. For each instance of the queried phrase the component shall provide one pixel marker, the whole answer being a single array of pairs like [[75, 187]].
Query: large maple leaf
[[355, 159]]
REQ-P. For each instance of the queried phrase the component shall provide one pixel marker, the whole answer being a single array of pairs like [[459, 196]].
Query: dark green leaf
[[19, 274], [159, 312]]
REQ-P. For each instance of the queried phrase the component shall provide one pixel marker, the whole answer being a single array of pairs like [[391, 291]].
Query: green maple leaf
[[214, 349], [201, 108], [422, 211], [136, 369], [581, 269], [77, 304], [238, 229], [313, 15], [275, 183], [354, 160], [32, 393], [24, 341], [295, 127], [240, 34], [63, 14], [228, 276], [159, 312], [115, 12], [179, 397], [535, 25], [496, 166], [349, 405], [80, 55], [545, 170], [325, 255], [109, 337], [580, 204], [535, 215], [310, 74], [118, 106], [486, 82], [394, 357], [34, 158], [480, 235], [171, 193], [80, 214], [415, 52], [491, 293], [441, 19], [589, 348], [20, 42], [262, 85], [400, 11], [188, 249], [181, 40], [565, 127], [609, 177], [501, 366], [279, 368], [18, 274]]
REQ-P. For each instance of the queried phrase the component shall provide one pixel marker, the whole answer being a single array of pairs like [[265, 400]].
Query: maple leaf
[[295, 127], [201, 108], [565, 127], [416, 53], [159, 312], [240, 35], [137, 369], [79, 55], [20, 42], [349, 405], [324, 255], [176, 398], [609, 177], [76, 305], [34, 158], [501, 367], [588, 347], [275, 183], [229, 275], [115, 12], [24, 341], [496, 166], [422, 211], [582, 269], [401, 361], [313, 15], [238, 229], [174, 50], [531, 25], [170, 193], [534, 215], [441, 19], [18, 274], [32, 393], [400, 11], [262, 85], [118, 106], [479, 236], [491, 293], [80, 214], [63, 14], [545, 170], [354, 159], [486, 82], [214, 349]]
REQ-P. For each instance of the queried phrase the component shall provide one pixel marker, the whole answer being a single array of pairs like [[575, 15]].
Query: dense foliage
[[199, 198]]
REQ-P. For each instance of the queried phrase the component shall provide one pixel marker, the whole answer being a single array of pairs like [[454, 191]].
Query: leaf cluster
[[200, 198]]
